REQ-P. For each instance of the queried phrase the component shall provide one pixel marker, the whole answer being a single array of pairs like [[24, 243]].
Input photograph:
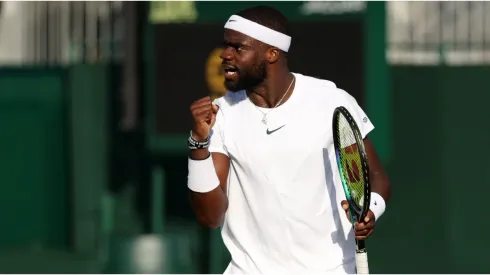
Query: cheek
[[247, 58], [248, 62]]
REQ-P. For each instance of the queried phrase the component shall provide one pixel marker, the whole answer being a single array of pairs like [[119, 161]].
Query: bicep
[[222, 167]]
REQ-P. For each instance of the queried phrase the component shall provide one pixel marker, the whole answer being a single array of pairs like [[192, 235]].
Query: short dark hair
[[268, 17]]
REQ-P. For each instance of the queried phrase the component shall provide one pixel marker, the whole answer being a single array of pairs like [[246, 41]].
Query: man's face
[[243, 61]]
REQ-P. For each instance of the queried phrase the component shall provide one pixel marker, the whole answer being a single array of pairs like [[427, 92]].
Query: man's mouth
[[230, 71]]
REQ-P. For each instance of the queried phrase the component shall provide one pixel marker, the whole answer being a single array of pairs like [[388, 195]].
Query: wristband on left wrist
[[377, 205]]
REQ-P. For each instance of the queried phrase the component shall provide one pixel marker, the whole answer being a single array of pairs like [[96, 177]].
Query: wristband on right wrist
[[202, 177]]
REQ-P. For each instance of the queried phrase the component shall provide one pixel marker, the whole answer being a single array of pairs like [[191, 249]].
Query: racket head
[[351, 161]]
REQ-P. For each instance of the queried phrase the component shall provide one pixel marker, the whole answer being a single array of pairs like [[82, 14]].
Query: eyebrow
[[236, 44], [231, 44]]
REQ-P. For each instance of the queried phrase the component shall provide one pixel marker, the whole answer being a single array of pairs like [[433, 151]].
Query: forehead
[[232, 36]]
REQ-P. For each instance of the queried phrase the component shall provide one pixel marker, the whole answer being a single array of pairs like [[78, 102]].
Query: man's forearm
[[381, 184], [210, 207]]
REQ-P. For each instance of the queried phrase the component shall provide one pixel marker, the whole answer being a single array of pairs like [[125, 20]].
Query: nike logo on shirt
[[272, 131]]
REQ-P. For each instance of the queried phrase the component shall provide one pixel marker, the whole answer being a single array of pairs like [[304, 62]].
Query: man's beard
[[248, 80]]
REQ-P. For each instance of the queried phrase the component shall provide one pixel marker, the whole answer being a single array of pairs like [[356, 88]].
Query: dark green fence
[[53, 168], [33, 159], [439, 173]]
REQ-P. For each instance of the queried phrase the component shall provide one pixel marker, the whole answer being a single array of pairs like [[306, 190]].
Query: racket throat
[[360, 246]]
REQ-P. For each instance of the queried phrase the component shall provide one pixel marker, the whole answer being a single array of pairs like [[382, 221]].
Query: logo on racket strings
[[353, 169]]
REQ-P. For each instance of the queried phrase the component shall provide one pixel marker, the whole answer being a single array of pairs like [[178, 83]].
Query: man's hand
[[362, 229], [204, 114]]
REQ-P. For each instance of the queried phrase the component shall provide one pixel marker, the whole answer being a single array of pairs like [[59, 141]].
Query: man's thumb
[[215, 108]]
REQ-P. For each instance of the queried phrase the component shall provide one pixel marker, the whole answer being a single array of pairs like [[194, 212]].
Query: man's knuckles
[[201, 111]]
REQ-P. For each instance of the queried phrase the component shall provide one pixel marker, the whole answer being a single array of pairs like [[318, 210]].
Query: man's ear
[[272, 55]]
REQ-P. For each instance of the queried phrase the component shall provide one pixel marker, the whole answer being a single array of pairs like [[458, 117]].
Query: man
[[262, 163]]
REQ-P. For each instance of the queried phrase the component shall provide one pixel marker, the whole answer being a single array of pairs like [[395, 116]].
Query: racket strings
[[350, 159]]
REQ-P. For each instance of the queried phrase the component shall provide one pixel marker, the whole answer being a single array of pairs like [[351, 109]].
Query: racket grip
[[362, 266]]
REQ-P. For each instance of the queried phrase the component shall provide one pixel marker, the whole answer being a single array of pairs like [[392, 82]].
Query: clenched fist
[[362, 229], [204, 114]]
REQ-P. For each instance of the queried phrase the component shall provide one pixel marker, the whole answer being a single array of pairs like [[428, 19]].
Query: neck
[[271, 91]]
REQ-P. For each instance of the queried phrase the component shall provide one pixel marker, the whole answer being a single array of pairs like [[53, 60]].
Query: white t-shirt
[[284, 190]]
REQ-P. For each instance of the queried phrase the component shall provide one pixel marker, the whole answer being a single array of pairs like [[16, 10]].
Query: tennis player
[[262, 163]]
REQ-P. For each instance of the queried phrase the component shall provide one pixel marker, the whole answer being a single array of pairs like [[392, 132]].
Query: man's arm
[[380, 183], [210, 207], [208, 173]]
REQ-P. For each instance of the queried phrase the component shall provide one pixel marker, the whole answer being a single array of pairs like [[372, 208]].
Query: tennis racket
[[354, 174]]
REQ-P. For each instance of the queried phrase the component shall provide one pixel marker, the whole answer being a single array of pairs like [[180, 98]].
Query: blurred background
[[94, 118]]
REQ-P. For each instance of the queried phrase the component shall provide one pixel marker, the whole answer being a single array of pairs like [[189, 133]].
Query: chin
[[232, 86]]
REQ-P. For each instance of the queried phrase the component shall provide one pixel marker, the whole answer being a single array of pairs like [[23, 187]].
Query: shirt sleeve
[[362, 120], [216, 136]]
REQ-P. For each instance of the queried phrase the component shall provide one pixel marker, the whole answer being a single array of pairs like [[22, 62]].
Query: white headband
[[259, 32]]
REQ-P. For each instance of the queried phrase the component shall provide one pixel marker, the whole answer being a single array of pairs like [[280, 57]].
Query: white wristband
[[377, 205], [202, 176]]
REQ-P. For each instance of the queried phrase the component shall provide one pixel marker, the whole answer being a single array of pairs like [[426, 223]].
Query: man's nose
[[226, 54]]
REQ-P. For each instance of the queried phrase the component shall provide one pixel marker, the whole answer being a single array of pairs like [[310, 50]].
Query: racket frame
[[360, 213], [356, 213]]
